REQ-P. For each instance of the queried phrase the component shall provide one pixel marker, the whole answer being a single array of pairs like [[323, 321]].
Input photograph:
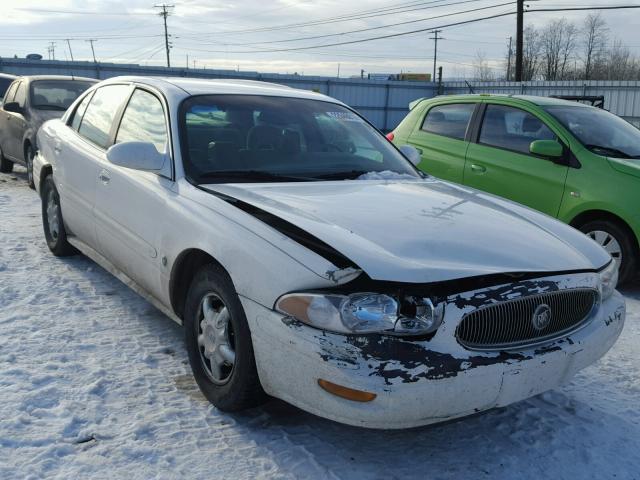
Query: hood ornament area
[[541, 317]]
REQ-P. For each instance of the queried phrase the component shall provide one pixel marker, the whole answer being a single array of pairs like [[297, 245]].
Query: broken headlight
[[608, 280], [363, 313]]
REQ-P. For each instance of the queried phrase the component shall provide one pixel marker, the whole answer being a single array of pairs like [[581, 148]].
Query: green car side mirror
[[546, 148]]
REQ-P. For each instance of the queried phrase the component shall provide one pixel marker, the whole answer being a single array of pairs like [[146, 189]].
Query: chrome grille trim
[[508, 325]]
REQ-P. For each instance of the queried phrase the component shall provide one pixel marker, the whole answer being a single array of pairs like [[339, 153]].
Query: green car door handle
[[478, 168]]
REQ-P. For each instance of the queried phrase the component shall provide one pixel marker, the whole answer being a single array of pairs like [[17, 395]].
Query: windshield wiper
[[612, 151], [346, 175], [251, 175], [49, 107]]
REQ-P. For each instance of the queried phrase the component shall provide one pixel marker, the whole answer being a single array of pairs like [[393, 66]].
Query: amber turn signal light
[[345, 392]]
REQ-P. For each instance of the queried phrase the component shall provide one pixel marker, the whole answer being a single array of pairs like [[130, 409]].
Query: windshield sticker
[[346, 116]]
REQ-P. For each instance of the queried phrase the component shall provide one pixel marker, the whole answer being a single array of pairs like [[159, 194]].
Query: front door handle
[[478, 168], [104, 177]]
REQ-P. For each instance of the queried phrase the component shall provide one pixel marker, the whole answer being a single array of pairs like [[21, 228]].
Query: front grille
[[510, 324]]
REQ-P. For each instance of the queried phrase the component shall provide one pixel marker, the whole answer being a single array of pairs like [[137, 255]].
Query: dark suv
[[28, 103]]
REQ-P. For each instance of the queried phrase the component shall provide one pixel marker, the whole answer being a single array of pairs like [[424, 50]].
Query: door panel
[[441, 139], [17, 125], [514, 174]]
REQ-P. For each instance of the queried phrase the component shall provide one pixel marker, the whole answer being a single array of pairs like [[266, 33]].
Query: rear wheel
[[52, 222], [29, 154], [617, 242], [219, 342], [6, 166]]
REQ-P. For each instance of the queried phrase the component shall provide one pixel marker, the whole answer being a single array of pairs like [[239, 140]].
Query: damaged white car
[[309, 260]]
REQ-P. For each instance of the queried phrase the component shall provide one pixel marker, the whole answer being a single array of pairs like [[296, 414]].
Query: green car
[[574, 162]]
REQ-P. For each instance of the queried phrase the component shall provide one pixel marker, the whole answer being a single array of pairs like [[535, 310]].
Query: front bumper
[[418, 382]]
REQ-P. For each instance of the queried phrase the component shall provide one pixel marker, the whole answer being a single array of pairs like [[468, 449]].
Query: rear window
[[4, 84], [56, 94], [449, 120]]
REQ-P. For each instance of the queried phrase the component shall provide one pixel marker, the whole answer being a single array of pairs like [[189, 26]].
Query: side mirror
[[412, 154], [12, 107], [547, 148], [137, 155]]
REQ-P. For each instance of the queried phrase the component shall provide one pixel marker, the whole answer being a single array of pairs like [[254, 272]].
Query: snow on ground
[[94, 383]]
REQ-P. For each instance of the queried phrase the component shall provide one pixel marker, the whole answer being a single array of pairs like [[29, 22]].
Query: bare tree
[[481, 69], [594, 41], [531, 53], [558, 45]]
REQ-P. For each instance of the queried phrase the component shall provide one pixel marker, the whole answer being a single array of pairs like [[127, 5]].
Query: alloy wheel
[[53, 219], [216, 339], [609, 243]]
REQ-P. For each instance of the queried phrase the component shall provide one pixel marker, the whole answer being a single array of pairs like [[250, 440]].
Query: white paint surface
[[82, 356]]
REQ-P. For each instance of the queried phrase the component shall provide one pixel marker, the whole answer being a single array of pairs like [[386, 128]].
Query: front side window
[[512, 129], [231, 138], [77, 115], [98, 118], [449, 120], [144, 121], [600, 131], [10, 93], [21, 95], [56, 94]]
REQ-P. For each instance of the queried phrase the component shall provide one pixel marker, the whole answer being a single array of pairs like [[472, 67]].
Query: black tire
[[241, 389], [6, 165], [28, 158], [56, 238], [627, 246]]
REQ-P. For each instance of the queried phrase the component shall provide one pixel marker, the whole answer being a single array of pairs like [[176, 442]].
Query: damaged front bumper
[[426, 381]]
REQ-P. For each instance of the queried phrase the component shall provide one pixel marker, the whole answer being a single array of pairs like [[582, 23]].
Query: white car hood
[[424, 230]]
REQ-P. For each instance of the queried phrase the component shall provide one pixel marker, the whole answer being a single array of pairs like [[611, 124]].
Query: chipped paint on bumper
[[422, 382]]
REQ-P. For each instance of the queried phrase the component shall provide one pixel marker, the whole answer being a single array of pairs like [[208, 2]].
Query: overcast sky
[[222, 34]]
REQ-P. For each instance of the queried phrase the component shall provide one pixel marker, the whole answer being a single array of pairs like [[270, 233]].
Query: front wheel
[[617, 242], [54, 231], [29, 154], [219, 342], [6, 165]]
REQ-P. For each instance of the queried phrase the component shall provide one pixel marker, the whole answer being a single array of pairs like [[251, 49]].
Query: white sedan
[[309, 260]]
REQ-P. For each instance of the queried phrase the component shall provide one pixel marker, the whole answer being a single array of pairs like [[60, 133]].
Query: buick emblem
[[541, 317]]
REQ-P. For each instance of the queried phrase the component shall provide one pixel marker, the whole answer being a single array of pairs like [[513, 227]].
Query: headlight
[[362, 313], [608, 280]]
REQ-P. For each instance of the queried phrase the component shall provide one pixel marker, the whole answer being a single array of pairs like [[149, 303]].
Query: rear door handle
[[478, 168], [104, 177]]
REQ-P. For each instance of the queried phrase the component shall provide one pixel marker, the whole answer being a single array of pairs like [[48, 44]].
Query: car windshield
[[56, 94], [600, 131], [252, 138]]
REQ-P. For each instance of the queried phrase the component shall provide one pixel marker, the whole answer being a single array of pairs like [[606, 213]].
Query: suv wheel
[[617, 243], [219, 342], [6, 166], [54, 231]]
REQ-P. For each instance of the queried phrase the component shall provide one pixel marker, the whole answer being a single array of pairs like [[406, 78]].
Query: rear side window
[[98, 118], [449, 120], [144, 121], [21, 94], [512, 129], [77, 115]]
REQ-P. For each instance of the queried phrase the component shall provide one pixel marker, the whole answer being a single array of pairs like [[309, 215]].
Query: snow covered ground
[[94, 383]]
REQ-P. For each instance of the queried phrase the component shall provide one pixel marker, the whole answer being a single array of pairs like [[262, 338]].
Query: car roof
[[536, 100], [180, 87], [6, 75], [32, 78]]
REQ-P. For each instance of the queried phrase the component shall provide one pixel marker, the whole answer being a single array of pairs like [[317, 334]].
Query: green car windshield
[[600, 131]]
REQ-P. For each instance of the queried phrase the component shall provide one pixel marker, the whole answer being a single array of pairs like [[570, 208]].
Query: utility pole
[[435, 51], [164, 13], [509, 60], [51, 49], [519, 40], [187, 61], [93, 52], [439, 80], [70, 51]]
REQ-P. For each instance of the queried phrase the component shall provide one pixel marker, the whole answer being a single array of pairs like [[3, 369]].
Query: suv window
[[512, 128], [98, 118], [449, 120], [5, 83], [21, 94], [144, 121], [79, 113], [10, 93]]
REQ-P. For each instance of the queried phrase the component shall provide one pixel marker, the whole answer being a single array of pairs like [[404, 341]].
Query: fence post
[[386, 108]]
